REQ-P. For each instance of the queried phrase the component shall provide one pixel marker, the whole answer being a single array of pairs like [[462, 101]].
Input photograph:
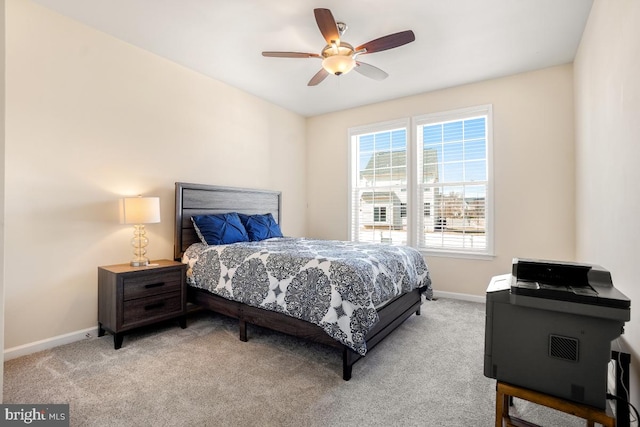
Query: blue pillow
[[220, 229], [260, 227]]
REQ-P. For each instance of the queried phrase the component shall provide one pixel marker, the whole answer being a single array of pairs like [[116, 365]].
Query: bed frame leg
[[348, 360], [346, 371], [243, 330], [418, 312]]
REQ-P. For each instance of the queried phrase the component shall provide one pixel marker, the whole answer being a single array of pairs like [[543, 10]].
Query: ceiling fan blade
[[327, 25], [318, 78], [291, 55], [387, 42], [370, 71]]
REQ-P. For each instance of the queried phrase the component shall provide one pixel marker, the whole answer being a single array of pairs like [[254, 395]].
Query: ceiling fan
[[339, 57]]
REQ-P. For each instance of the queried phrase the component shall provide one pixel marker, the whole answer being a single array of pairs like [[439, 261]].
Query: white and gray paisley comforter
[[335, 285]]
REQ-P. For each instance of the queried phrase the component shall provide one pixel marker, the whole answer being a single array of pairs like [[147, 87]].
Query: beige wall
[[90, 119], [2, 145], [533, 170], [607, 98]]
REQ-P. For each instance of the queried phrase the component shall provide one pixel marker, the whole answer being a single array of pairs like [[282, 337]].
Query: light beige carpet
[[429, 372]]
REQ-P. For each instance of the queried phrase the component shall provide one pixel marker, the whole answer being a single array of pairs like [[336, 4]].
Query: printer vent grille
[[563, 348]]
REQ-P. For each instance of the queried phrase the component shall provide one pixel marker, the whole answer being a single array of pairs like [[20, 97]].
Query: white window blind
[[425, 182], [453, 186], [379, 183]]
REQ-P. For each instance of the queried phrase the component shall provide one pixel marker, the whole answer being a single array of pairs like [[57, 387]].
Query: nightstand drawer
[[143, 309], [152, 284]]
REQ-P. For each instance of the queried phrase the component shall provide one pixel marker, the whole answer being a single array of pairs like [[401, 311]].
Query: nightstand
[[130, 297]]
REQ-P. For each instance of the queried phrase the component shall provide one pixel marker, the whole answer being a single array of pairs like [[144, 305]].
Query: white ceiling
[[457, 42]]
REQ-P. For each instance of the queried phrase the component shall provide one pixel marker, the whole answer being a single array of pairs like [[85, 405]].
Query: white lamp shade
[[140, 210]]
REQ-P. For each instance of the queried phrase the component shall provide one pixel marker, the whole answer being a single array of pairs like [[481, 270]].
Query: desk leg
[[502, 405]]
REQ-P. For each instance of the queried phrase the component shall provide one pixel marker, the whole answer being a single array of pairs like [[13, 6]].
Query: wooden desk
[[504, 391]]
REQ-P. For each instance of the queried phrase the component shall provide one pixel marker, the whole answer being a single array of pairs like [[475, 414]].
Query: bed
[[354, 325]]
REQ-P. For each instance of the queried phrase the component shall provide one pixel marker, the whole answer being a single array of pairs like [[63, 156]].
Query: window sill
[[455, 254]]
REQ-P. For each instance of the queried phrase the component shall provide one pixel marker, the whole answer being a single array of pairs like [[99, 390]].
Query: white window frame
[[353, 178], [411, 125], [452, 116]]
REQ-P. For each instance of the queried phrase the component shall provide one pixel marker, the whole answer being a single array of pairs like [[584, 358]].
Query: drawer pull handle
[[154, 306], [154, 285]]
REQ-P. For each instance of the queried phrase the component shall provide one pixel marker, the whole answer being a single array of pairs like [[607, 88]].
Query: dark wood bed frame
[[198, 199]]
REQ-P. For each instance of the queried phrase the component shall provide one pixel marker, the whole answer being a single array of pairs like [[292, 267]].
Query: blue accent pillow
[[220, 229], [260, 227]]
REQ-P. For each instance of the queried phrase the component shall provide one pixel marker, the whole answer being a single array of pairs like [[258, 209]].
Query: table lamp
[[140, 211]]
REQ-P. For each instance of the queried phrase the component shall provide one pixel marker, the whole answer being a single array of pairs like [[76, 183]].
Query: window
[[453, 178], [380, 214], [427, 185], [378, 183]]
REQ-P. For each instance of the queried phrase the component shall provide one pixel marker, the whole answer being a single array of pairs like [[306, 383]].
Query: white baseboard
[[34, 347], [455, 295]]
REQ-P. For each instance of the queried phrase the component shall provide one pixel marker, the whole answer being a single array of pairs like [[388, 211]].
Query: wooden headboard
[[200, 199]]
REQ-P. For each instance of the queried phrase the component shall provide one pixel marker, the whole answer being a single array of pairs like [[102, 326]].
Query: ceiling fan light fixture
[[339, 57], [338, 64]]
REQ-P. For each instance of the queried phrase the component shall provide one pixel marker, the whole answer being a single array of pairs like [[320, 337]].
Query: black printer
[[549, 327], [571, 282]]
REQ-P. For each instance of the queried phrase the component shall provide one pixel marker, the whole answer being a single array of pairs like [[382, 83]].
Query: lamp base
[[139, 243]]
